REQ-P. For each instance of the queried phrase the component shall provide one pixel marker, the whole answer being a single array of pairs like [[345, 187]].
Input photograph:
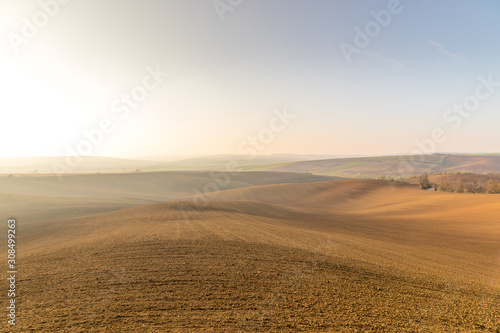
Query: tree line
[[445, 185]]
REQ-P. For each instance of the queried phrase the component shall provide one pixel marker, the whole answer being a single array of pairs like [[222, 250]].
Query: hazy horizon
[[249, 157]]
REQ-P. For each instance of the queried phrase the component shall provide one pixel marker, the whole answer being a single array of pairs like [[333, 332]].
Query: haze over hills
[[71, 164], [88, 164], [255, 159], [45, 197], [396, 166], [349, 167], [336, 255]]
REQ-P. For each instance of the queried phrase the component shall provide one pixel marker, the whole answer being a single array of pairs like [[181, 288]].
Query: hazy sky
[[355, 85]]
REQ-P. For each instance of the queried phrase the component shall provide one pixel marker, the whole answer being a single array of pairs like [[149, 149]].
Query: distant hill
[[395, 166], [215, 160], [328, 165], [42, 196], [92, 164]]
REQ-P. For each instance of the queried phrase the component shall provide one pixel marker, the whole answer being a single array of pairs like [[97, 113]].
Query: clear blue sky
[[227, 76]]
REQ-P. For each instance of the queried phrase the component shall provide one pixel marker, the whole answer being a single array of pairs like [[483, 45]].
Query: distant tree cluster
[[388, 178], [455, 173], [424, 182], [459, 186], [492, 186]]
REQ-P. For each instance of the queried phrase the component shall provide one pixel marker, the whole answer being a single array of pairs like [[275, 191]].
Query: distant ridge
[[397, 166]]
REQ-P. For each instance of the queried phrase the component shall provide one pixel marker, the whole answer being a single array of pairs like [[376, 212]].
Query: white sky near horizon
[[227, 76]]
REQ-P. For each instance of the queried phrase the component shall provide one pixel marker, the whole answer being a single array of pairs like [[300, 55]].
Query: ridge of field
[[396, 166], [42, 197], [221, 160], [93, 164], [339, 166], [329, 256]]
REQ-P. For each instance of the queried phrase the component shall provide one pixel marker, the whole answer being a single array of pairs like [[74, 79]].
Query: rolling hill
[[41, 197], [92, 164], [395, 166], [351, 167], [329, 256]]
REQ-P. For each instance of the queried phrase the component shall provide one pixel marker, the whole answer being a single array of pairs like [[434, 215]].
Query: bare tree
[[424, 181]]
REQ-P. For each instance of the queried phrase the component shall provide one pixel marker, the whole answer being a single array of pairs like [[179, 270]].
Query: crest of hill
[[359, 241], [42, 197], [396, 166], [330, 198]]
